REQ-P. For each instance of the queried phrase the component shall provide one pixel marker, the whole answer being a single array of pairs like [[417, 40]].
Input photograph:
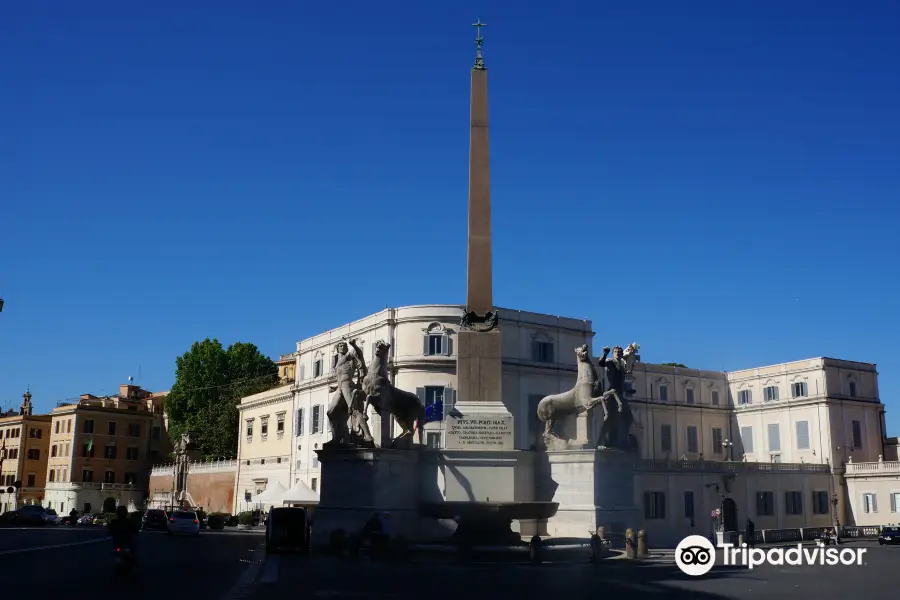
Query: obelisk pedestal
[[480, 458]]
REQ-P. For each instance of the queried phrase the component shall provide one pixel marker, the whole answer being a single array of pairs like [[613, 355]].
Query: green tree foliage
[[209, 384], [675, 365]]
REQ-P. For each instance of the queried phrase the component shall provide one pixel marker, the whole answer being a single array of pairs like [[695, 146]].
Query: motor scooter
[[123, 559]]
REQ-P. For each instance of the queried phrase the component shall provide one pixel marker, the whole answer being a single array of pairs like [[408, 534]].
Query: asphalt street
[[76, 563], [345, 579]]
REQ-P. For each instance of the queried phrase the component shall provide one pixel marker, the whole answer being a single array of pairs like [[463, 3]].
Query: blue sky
[[715, 180]]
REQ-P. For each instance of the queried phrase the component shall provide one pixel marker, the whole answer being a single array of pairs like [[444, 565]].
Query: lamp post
[[834, 503], [728, 445]]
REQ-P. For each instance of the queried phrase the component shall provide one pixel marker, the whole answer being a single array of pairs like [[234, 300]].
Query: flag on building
[[434, 412]]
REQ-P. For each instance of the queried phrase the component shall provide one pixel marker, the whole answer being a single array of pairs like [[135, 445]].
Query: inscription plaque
[[480, 432]]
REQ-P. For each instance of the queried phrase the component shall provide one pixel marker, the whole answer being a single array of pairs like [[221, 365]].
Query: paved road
[[334, 579], [75, 563]]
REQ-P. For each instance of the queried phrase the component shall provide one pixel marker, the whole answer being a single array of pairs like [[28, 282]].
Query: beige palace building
[[104, 447], [24, 440], [791, 445]]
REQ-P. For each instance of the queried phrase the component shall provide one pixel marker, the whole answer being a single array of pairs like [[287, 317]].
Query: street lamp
[[728, 444], [834, 503]]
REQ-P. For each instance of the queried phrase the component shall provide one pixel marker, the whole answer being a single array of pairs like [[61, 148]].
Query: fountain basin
[[487, 523]]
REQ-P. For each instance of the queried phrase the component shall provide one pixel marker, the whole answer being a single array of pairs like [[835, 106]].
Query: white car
[[184, 522]]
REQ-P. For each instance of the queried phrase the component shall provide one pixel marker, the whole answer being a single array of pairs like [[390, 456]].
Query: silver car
[[184, 522]]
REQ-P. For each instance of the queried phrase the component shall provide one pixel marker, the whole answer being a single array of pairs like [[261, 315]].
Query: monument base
[[594, 488], [356, 483]]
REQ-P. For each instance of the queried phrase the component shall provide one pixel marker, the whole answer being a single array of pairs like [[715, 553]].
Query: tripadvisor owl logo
[[695, 555]]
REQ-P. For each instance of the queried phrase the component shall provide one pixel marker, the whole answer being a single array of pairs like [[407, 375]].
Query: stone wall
[[209, 485]]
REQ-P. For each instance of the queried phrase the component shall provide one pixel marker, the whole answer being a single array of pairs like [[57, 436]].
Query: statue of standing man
[[347, 399], [616, 426]]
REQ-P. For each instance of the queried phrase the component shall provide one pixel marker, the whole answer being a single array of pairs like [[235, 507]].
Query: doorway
[[729, 515]]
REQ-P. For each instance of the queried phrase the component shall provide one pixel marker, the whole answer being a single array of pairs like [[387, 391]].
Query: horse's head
[[583, 354], [382, 349], [631, 355]]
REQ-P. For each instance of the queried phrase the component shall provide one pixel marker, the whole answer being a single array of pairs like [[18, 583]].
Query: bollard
[[629, 543], [534, 550], [642, 543]]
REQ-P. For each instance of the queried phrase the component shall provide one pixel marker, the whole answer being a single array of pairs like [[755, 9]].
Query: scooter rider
[[122, 530]]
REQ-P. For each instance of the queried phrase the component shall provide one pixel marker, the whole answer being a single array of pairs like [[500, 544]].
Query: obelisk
[[479, 420]]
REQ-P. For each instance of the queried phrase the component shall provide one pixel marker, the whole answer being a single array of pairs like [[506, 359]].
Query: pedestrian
[[751, 533]]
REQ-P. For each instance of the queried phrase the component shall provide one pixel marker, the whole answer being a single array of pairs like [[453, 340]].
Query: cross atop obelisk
[[479, 42], [479, 290]]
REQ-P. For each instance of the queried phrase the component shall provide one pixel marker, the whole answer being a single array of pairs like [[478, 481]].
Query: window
[[689, 396], [798, 389], [895, 502], [715, 397], [774, 437], [433, 395], [89, 426], [793, 503], [34, 454], [109, 451], [56, 427], [300, 415], [315, 425], [279, 425], [689, 505], [156, 432], [111, 428], [765, 504], [434, 344], [802, 435], [852, 389], [663, 393], [109, 477], [317, 367], [692, 442], [770, 393], [820, 502], [313, 484], [31, 480], [302, 373], [87, 476], [870, 503], [51, 476], [249, 429], [53, 450], [130, 478], [433, 439], [717, 440], [134, 429], [856, 426], [315, 462], [34, 433], [264, 427], [745, 397], [542, 351], [665, 438], [131, 453], [69, 426], [747, 439], [654, 505], [334, 359]]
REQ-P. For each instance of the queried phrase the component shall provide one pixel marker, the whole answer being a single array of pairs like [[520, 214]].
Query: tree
[[675, 365], [209, 384]]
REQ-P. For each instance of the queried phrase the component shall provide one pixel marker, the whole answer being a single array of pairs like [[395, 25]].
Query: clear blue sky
[[718, 181]]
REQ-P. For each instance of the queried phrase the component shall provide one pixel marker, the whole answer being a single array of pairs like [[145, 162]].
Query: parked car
[[32, 514], [184, 522], [889, 535], [287, 528], [155, 518], [50, 517]]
